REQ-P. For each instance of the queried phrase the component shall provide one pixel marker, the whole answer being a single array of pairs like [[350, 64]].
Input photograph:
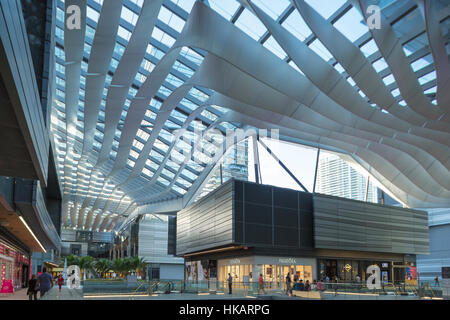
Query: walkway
[[19, 294], [65, 294]]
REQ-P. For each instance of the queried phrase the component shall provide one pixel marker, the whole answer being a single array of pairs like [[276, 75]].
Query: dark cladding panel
[[250, 215], [306, 237], [238, 190], [285, 198], [257, 193], [286, 237], [258, 234], [260, 214], [354, 225], [305, 201], [285, 217], [172, 236], [238, 211]]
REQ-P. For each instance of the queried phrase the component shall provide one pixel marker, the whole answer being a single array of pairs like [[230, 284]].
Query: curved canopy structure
[[142, 81]]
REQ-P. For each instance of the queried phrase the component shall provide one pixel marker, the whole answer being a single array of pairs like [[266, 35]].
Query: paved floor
[[19, 294], [53, 294], [64, 294], [71, 294]]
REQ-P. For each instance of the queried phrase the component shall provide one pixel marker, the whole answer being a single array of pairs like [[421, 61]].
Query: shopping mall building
[[246, 229]]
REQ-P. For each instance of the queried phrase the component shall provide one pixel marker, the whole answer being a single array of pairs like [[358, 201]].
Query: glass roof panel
[[272, 8], [326, 7], [250, 24], [352, 25], [226, 9], [297, 26], [74, 170]]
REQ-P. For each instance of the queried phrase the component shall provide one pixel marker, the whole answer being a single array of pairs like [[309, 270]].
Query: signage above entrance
[[287, 260], [235, 261]]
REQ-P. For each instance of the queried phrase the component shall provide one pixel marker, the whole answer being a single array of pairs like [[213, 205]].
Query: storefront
[[246, 270], [347, 269], [14, 266]]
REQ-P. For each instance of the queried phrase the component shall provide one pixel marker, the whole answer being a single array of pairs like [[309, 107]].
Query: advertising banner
[[411, 276]]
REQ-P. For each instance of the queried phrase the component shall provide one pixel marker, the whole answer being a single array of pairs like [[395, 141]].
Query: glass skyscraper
[[337, 178]]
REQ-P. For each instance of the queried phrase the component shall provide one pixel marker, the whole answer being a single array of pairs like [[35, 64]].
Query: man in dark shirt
[[301, 285], [45, 282], [230, 283], [288, 283]]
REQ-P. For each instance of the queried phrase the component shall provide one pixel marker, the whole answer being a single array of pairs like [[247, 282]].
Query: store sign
[[287, 261], [385, 265], [235, 261], [348, 267]]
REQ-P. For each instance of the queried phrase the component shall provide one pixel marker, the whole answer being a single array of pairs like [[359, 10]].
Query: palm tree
[[127, 265], [117, 265], [73, 260], [139, 264], [85, 264], [102, 266]]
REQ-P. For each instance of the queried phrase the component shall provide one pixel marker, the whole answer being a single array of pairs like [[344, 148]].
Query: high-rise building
[[234, 164], [337, 178]]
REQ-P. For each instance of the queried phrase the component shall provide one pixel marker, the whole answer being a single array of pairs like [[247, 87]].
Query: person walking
[[230, 283], [261, 284], [60, 281], [288, 283], [436, 281], [45, 282], [314, 285], [32, 288], [335, 286]]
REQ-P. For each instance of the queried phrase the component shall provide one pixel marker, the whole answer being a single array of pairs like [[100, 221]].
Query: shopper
[[261, 284], [301, 285], [335, 285], [45, 282], [288, 283], [32, 288], [436, 281], [314, 285], [307, 286], [60, 281], [230, 283]]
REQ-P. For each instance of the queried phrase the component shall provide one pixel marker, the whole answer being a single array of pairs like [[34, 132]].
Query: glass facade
[[274, 270], [346, 270], [273, 274]]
